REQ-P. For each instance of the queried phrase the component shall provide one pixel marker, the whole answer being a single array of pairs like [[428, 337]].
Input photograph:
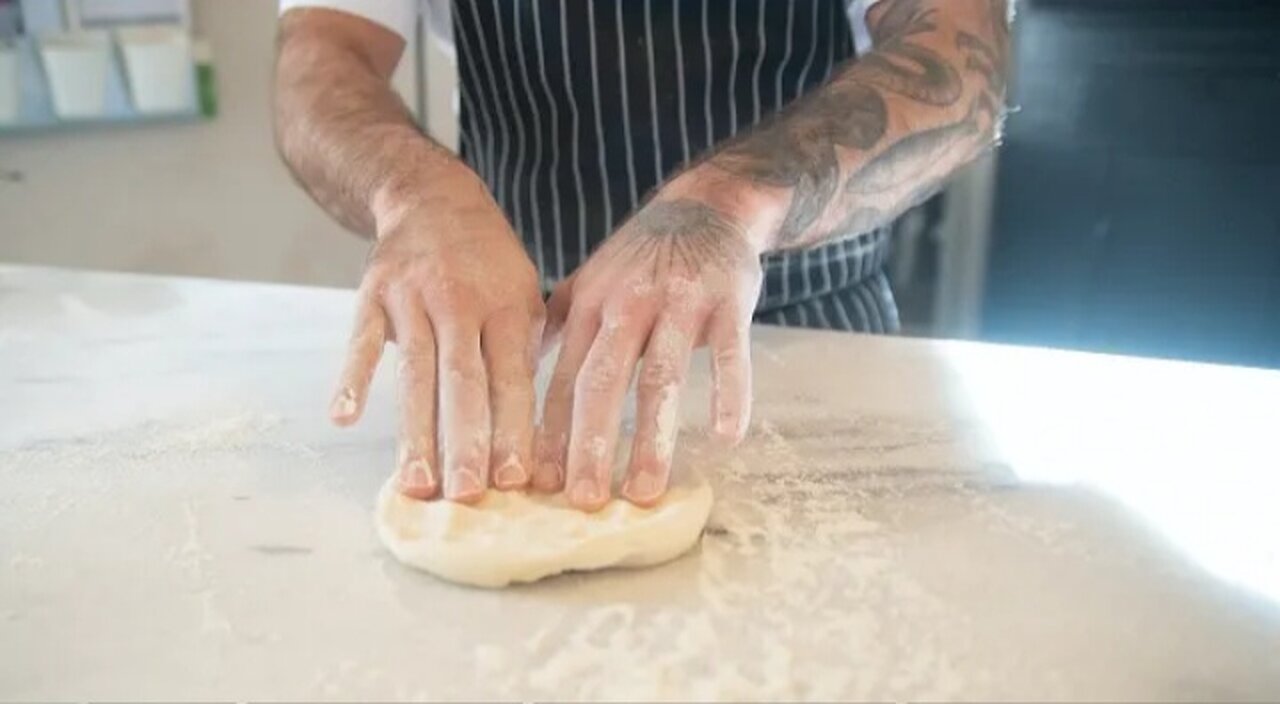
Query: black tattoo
[[865, 219], [860, 220], [779, 151], [800, 148], [989, 59], [911, 159], [900, 66], [683, 232], [900, 20], [911, 170], [797, 149], [857, 116], [983, 59]]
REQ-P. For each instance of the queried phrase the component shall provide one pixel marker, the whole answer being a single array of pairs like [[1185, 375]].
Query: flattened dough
[[517, 537]]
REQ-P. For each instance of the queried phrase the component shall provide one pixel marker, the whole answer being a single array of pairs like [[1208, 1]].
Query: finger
[[363, 353], [666, 366], [417, 470], [729, 338], [551, 445], [557, 314], [597, 408], [506, 341], [464, 411]]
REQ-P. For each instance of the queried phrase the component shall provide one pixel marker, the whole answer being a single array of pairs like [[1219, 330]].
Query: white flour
[[153, 440], [52, 474], [819, 557]]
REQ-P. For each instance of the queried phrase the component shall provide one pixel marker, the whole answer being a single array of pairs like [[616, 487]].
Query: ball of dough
[[513, 536]]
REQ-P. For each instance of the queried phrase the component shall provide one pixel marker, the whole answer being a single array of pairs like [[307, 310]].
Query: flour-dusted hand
[[447, 279], [680, 273], [449, 282]]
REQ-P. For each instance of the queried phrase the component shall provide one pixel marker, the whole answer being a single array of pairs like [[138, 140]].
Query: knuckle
[[513, 390], [448, 303], [728, 349], [415, 354], [417, 346], [623, 323], [368, 335], [378, 274], [728, 358], [629, 302], [413, 374], [512, 368], [463, 373], [733, 328], [658, 374], [513, 320], [599, 380], [680, 288], [584, 312]]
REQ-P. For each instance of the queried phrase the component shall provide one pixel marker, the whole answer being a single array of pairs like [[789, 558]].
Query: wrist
[[403, 192], [758, 210]]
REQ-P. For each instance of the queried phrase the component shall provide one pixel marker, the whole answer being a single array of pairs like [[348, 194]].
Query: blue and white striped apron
[[572, 111]]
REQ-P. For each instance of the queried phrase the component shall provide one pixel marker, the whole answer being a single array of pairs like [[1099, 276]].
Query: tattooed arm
[[685, 270], [878, 137]]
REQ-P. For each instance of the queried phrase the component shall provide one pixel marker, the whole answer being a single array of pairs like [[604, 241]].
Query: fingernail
[[416, 474], [643, 487], [585, 493], [550, 476], [728, 428], [463, 484], [344, 404], [510, 474]]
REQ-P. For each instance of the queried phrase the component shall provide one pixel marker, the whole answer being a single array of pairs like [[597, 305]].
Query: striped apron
[[572, 111]]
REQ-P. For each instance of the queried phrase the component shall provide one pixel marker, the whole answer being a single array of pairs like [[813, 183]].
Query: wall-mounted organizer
[[79, 63]]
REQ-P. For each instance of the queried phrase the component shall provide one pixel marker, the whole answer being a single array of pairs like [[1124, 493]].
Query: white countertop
[[909, 519]]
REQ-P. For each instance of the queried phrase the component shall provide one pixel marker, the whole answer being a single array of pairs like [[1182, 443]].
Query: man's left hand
[[682, 272]]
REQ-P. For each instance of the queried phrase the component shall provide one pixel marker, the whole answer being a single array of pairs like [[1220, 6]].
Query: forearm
[[882, 134], [343, 131]]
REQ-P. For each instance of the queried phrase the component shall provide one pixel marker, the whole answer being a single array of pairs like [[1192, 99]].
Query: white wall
[[204, 199]]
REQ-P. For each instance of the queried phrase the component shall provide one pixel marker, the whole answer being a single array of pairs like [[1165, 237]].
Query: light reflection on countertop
[[1192, 448]]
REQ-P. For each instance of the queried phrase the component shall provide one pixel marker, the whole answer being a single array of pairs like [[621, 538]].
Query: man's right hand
[[451, 284]]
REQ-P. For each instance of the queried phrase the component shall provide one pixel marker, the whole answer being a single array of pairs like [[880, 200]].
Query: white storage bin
[[10, 85], [76, 66], [158, 64]]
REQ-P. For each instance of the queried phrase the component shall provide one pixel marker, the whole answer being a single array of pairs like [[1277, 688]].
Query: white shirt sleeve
[[398, 16], [857, 10]]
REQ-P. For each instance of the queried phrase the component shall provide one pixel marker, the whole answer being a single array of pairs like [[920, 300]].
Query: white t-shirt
[[400, 15]]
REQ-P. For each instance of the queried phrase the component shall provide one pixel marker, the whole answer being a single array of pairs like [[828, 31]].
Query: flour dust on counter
[[783, 533]]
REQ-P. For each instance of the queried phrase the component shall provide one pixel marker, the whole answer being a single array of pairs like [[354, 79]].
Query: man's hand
[[447, 278], [449, 281], [680, 273]]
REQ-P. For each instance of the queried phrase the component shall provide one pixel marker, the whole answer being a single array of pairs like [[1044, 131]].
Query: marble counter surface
[[908, 520]]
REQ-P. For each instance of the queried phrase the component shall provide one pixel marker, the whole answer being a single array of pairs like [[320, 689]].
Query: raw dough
[[518, 537]]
